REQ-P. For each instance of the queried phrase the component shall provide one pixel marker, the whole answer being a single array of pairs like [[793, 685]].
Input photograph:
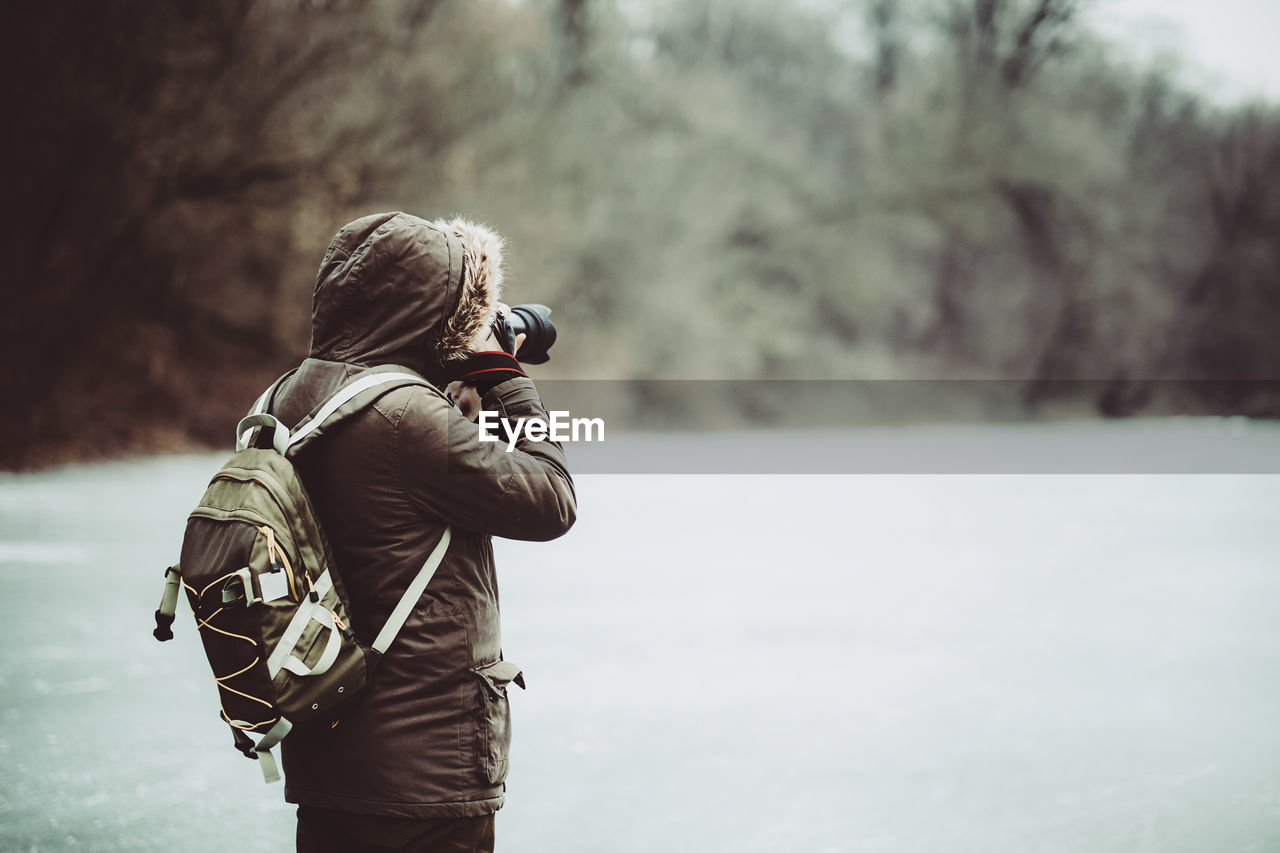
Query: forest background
[[703, 189]]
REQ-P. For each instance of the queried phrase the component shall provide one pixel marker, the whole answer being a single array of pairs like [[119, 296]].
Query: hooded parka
[[429, 738]]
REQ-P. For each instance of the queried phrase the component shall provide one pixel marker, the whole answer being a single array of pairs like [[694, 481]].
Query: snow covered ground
[[924, 662]]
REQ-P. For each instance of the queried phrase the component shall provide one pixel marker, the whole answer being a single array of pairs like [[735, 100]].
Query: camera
[[534, 322]]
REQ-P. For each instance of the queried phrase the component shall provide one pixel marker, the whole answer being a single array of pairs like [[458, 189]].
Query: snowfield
[[966, 663]]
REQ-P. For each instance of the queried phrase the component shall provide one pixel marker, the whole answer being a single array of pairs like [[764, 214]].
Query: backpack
[[260, 577]]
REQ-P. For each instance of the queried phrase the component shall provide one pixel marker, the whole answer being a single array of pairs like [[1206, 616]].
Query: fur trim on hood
[[396, 289], [481, 288]]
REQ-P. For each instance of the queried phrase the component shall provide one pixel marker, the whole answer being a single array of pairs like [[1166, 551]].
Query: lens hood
[[534, 322]]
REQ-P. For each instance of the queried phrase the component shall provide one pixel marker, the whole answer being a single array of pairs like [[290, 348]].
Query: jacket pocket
[[493, 730]]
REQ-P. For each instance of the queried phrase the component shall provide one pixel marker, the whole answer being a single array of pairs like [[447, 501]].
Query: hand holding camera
[[512, 328]]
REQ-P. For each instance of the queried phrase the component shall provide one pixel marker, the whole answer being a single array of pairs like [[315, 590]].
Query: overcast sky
[[1229, 46]]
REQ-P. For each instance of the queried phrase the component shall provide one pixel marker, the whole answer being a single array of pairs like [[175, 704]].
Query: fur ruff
[[481, 288]]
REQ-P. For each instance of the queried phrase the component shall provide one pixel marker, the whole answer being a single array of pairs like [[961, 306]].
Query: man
[[419, 762]]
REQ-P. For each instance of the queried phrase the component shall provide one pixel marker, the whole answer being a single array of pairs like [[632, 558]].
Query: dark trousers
[[327, 831]]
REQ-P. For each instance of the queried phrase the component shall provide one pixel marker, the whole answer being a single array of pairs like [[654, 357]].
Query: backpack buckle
[[164, 626], [168, 603]]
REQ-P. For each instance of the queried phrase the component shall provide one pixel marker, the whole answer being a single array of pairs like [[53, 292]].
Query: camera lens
[[534, 322]]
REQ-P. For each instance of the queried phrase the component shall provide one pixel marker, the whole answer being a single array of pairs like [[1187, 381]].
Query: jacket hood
[[396, 289]]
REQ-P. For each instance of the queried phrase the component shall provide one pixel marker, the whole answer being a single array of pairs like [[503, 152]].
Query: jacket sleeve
[[449, 473]]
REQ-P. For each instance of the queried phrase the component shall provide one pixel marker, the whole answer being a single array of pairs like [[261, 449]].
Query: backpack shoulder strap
[[359, 392], [247, 429], [264, 402], [355, 394], [411, 595]]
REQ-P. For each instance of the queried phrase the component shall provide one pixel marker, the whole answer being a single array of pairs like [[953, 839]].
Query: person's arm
[[449, 473]]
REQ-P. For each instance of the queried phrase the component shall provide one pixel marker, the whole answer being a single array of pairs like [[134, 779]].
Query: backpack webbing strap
[[358, 393], [331, 648], [248, 426], [407, 601], [308, 611], [267, 761], [260, 406]]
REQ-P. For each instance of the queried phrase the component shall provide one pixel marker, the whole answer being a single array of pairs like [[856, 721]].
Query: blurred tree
[[1228, 315], [883, 23], [172, 158], [701, 188], [574, 26]]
